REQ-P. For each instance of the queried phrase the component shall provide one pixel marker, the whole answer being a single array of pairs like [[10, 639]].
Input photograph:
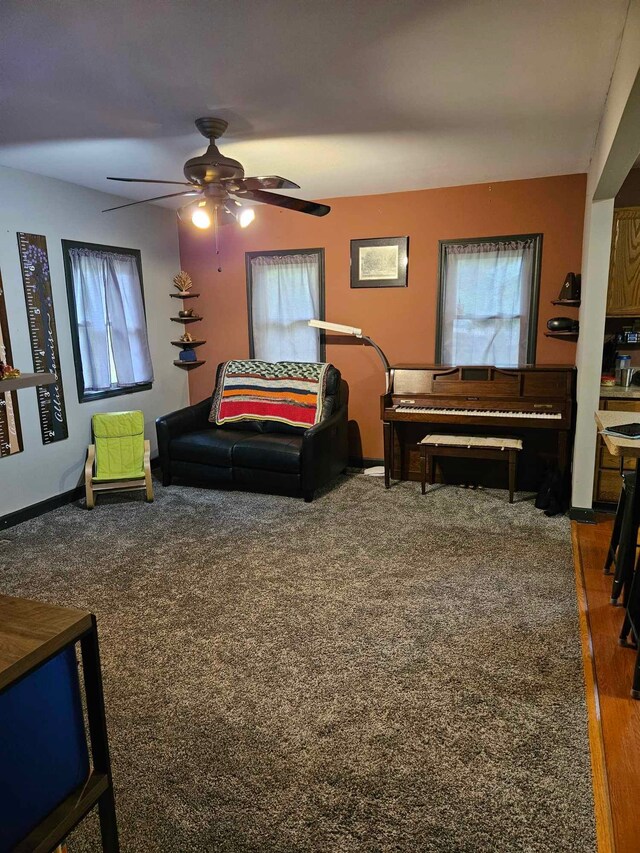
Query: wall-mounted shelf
[[188, 344], [188, 364], [27, 380], [568, 303]]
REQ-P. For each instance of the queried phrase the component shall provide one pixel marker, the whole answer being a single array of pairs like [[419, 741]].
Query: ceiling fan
[[219, 185]]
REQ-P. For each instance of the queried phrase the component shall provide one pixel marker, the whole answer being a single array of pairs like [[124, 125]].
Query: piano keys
[[513, 400], [477, 413]]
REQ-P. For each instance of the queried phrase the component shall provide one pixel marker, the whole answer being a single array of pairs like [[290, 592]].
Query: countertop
[[625, 447], [612, 392]]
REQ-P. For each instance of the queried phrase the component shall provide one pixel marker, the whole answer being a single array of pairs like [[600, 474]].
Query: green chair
[[119, 459]]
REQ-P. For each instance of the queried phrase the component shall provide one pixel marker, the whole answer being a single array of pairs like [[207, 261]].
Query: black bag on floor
[[551, 496]]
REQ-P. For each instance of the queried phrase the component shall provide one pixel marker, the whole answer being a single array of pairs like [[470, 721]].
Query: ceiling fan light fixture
[[200, 217], [246, 217]]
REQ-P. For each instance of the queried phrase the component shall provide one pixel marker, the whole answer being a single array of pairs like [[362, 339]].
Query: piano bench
[[470, 447]]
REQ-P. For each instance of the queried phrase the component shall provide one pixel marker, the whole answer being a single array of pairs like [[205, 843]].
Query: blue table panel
[[43, 748]]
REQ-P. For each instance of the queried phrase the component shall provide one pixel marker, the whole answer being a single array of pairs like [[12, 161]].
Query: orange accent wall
[[401, 320]]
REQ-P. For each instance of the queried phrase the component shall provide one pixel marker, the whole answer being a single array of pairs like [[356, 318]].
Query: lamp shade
[[336, 327]]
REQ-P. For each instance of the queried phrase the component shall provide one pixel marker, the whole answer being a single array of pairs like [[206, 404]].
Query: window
[[285, 289], [488, 306], [108, 324]]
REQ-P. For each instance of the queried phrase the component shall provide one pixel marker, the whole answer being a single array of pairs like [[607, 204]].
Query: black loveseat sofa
[[257, 455]]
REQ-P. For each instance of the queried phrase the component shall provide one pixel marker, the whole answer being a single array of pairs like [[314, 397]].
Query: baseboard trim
[[55, 502], [33, 511], [602, 507], [364, 462], [583, 515]]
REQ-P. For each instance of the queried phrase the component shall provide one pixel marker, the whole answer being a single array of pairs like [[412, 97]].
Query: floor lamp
[[357, 333], [376, 470]]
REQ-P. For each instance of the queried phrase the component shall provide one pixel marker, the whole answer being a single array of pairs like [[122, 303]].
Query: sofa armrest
[[177, 423], [324, 451]]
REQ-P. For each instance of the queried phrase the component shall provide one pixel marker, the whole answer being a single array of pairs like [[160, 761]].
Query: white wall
[[61, 210], [617, 146], [595, 277]]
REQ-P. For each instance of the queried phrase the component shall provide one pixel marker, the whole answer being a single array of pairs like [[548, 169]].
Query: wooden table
[[31, 633], [629, 448]]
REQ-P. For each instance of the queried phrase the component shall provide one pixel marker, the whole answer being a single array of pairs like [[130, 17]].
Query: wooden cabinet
[[623, 297], [607, 484]]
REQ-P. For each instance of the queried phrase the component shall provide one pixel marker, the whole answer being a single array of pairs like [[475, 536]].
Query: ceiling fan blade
[[155, 198], [299, 204], [149, 181], [270, 182]]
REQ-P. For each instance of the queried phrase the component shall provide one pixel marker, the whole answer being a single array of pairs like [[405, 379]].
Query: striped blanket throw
[[291, 392]]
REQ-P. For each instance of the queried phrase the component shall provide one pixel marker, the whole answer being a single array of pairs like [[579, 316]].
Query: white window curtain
[[285, 294], [112, 330], [486, 303]]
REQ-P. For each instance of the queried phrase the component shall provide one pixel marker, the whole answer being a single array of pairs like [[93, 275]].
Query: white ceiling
[[345, 97]]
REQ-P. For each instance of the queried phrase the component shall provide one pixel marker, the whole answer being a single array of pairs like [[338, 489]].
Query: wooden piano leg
[[512, 474], [562, 451], [388, 449]]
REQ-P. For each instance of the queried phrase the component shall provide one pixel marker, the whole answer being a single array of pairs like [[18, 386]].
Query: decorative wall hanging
[[34, 263], [10, 432], [380, 262]]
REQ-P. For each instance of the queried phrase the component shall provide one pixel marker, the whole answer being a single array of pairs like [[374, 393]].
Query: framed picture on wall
[[380, 262]]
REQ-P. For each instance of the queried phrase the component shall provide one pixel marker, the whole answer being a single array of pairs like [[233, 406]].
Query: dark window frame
[[248, 256], [88, 396], [534, 298]]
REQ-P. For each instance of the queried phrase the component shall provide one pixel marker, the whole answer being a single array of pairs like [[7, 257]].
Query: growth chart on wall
[[34, 262], [10, 432]]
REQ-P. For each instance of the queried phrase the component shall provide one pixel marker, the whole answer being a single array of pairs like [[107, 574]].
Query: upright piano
[[519, 401]]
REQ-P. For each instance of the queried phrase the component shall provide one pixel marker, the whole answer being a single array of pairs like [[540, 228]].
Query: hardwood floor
[[614, 728]]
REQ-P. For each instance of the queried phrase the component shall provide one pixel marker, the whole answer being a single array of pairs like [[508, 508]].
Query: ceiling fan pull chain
[[215, 229]]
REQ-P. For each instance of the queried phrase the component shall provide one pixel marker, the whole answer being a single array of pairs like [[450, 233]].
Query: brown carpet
[[375, 671]]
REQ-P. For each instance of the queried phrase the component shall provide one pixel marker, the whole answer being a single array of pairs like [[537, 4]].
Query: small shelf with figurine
[[566, 328], [191, 342], [11, 379], [187, 358], [187, 364]]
